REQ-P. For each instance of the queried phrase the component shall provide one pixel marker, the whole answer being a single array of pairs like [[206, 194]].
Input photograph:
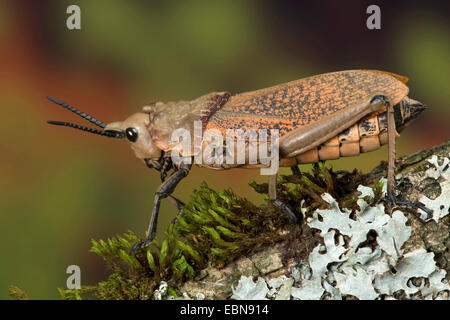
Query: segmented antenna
[[78, 112], [111, 134]]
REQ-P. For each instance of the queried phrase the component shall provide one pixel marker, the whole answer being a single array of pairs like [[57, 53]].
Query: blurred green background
[[60, 188]]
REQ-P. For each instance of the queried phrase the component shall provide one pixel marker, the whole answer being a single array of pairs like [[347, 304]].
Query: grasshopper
[[323, 117]]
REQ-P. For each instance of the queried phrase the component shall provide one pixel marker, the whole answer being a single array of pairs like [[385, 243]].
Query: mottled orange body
[[300, 103]]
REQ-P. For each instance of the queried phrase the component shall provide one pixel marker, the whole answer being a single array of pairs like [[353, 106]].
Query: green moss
[[377, 191], [306, 190], [76, 294], [222, 226], [136, 277], [420, 168], [417, 157], [17, 293]]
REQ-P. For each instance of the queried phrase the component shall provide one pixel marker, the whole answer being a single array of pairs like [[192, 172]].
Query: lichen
[[353, 267], [249, 290], [441, 204]]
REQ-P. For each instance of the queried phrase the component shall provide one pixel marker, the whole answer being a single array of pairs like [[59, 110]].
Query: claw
[[179, 214], [135, 248], [140, 245], [280, 205], [295, 171], [393, 202]]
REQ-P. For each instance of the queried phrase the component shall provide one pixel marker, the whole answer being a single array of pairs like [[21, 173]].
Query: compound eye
[[132, 134]]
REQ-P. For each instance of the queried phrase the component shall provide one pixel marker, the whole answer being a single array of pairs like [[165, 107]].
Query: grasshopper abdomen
[[367, 135]]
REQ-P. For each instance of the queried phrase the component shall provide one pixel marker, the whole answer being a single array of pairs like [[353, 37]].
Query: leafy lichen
[[441, 204], [351, 268]]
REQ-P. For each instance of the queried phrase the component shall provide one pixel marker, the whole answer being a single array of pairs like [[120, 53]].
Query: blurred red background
[[60, 188]]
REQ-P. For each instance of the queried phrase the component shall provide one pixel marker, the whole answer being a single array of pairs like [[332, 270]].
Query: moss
[[17, 293], [75, 294], [420, 168], [136, 277], [222, 226], [416, 157], [306, 189], [377, 191]]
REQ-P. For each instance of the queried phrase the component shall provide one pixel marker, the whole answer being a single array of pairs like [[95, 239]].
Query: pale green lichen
[[418, 263], [310, 290], [285, 290], [340, 269], [353, 280], [441, 204], [249, 290]]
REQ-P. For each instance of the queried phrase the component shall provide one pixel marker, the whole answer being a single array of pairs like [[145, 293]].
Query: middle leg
[[277, 203]]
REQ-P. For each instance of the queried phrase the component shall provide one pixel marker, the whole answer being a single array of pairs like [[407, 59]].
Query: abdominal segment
[[367, 135]]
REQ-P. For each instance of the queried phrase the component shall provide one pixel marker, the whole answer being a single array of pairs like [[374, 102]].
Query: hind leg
[[391, 164]]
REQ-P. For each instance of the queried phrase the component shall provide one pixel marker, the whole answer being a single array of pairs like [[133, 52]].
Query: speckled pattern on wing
[[300, 102]]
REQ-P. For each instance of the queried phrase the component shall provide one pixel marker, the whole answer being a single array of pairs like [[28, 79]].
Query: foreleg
[[164, 191]]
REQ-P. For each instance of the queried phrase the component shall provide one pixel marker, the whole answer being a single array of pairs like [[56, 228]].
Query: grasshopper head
[[135, 129]]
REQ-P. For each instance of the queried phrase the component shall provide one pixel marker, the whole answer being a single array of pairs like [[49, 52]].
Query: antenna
[[78, 112], [109, 133]]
